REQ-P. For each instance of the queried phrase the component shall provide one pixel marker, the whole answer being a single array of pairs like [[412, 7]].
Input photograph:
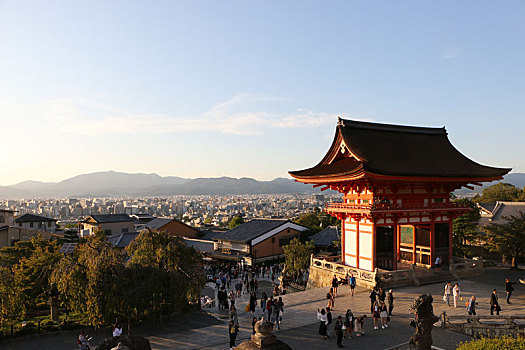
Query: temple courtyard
[[208, 329]]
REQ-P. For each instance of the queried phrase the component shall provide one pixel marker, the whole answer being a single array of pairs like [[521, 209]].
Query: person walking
[[447, 291], [335, 284], [264, 299], [383, 314], [280, 303], [471, 307], [232, 331], [275, 314], [373, 298], [456, 293], [437, 264], [328, 321], [494, 304], [338, 328], [83, 341], [352, 283], [321, 316], [376, 314], [233, 316], [390, 299], [330, 298], [253, 303], [349, 324], [269, 305], [509, 289]]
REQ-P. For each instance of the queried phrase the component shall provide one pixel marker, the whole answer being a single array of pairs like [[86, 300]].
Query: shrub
[[503, 343]]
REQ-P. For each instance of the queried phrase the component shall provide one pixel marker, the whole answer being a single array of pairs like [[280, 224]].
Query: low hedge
[[503, 343]]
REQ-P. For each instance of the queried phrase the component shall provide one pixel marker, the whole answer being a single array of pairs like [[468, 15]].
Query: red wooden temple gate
[[396, 183]]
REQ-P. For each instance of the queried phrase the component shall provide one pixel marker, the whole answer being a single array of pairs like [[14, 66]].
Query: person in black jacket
[[509, 289], [338, 328], [494, 305], [373, 297], [328, 321], [233, 330]]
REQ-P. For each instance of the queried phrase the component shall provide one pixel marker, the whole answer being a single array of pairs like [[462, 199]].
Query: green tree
[[500, 192], [297, 256], [12, 308], [465, 228], [236, 221], [508, 238]]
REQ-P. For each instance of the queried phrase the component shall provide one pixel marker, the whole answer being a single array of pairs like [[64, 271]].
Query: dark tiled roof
[[396, 150], [250, 230], [203, 247], [106, 218], [32, 218], [122, 240], [507, 209], [488, 206], [209, 235], [158, 222], [326, 237]]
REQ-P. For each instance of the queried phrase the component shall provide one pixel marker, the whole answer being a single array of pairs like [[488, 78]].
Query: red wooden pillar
[[414, 255], [450, 242], [398, 239], [432, 243], [343, 256], [357, 243], [373, 247]]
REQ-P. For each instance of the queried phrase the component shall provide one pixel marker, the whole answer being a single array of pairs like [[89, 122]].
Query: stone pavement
[[299, 327]]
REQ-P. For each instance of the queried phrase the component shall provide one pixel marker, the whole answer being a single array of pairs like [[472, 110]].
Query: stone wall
[[496, 326]]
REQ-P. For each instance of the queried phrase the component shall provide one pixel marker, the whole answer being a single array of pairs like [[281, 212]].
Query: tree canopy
[[236, 221], [297, 255], [465, 228], [508, 238], [503, 192]]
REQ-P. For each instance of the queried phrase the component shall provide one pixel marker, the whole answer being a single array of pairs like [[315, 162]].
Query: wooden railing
[[341, 270], [389, 207]]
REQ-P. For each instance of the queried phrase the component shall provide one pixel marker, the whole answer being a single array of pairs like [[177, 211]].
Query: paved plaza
[[208, 330]]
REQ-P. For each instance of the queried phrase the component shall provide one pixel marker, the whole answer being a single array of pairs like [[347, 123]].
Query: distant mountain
[[111, 183], [516, 179]]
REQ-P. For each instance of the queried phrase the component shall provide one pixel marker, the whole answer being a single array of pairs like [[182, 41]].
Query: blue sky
[[249, 88]]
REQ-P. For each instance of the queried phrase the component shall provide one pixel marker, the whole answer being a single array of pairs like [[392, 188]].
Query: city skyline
[[204, 89]]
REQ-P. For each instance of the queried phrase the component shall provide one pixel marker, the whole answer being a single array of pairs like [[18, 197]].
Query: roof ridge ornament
[[340, 122]]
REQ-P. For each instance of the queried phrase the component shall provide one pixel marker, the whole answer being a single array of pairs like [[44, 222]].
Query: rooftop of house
[[250, 230], [326, 237], [122, 240], [32, 218], [109, 218], [500, 210]]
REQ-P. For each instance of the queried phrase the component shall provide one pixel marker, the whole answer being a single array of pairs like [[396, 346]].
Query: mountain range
[[112, 183]]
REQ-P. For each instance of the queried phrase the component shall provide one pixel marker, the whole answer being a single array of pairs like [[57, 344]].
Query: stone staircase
[[429, 277]]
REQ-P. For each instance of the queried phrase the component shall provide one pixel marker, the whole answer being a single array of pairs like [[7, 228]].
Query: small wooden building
[[396, 183]]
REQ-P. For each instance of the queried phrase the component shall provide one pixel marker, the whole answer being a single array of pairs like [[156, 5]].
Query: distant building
[[122, 240], [36, 222], [326, 237], [9, 235], [7, 217], [110, 224], [493, 213], [255, 241], [173, 227]]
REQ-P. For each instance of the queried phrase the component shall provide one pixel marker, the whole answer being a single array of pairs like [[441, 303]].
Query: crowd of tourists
[[348, 325], [471, 303], [234, 282]]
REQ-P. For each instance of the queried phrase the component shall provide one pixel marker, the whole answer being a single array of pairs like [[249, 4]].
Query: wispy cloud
[[242, 115], [451, 53]]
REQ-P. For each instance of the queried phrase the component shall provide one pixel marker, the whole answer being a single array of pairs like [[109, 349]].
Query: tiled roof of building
[[158, 222], [395, 150], [501, 210], [107, 218], [32, 218], [326, 237], [122, 240], [198, 244], [250, 230], [209, 234]]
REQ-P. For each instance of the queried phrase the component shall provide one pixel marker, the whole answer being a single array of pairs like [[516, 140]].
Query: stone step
[[435, 278]]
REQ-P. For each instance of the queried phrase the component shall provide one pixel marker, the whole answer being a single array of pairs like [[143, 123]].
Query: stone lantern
[[263, 338]]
